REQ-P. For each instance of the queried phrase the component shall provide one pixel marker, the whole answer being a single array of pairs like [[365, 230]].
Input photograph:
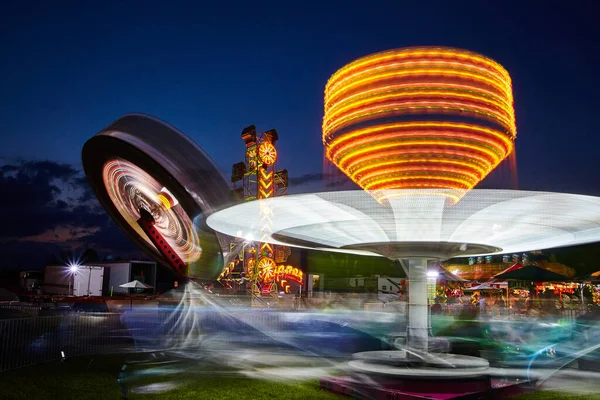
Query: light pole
[[89, 279], [73, 268]]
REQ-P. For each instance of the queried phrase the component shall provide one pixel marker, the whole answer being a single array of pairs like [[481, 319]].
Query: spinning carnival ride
[[157, 185], [415, 118]]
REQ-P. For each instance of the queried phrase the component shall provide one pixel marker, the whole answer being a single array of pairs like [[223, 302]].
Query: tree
[[90, 256]]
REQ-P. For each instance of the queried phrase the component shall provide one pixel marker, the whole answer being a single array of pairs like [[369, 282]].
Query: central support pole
[[418, 309]]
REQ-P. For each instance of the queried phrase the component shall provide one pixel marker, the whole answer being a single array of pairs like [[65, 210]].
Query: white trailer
[[388, 289], [84, 281], [88, 280]]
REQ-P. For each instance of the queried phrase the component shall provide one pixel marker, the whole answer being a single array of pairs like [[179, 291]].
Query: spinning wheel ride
[[158, 185]]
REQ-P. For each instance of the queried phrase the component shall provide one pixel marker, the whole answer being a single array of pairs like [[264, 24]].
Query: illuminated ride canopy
[[139, 167], [419, 118], [420, 223]]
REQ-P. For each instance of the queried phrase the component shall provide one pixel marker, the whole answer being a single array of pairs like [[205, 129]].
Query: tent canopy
[[483, 286], [135, 285], [531, 273], [593, 277], [443, 273]]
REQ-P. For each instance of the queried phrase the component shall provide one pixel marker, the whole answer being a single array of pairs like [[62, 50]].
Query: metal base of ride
[[404, 374], [460, 389]]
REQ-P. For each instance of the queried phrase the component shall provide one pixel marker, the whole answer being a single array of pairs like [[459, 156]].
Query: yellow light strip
[[400, 180], [424, 124], [403, 107], [398, 74], [417, 52], [378, 165], [336, 110], [418, 67], [384, 146], [405, 86], [399, 137], [407, 169]]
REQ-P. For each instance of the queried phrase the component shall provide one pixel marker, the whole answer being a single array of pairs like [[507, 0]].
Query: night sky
[[70, 68]]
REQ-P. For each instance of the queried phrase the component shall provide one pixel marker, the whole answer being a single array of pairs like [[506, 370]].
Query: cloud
[[48, 206], [45, 206]]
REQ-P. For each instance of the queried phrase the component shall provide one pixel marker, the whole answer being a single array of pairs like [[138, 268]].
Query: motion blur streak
[[131, 189], [205, 335]]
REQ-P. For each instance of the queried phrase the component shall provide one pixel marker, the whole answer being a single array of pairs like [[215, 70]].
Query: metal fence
[[28, 309], [31, 340], [28, 341], [503, 312]]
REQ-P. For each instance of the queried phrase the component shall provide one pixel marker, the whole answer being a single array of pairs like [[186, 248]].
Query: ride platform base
[[420, 389]]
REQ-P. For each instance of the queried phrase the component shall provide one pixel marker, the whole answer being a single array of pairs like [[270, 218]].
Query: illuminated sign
[[273, 272]]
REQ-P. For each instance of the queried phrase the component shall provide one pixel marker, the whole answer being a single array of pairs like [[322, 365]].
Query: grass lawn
[[81, 378], [95, 378], [241, 388], [91, 378]]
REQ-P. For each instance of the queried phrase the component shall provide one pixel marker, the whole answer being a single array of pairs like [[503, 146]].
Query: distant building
[[30, 280], [97, 279]]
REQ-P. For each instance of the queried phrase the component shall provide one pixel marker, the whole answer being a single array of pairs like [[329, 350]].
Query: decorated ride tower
[[259, 263]]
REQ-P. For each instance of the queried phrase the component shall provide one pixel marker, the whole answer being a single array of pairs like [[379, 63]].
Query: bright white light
[[343, 220], [238, 234], [432, 274], [73, 268], [249, 237]]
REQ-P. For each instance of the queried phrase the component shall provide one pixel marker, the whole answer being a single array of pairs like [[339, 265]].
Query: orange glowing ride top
[[419, 118]]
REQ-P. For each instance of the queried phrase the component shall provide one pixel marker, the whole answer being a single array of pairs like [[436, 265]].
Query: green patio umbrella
[[593, 278]]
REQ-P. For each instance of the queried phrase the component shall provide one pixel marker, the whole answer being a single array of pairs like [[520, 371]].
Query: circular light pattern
[[419, 118], [130, 188], [484, 221], [267, 267], [267, 153], [178, 180]]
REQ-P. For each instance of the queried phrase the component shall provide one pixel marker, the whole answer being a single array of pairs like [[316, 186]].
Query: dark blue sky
[[70, 68]]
